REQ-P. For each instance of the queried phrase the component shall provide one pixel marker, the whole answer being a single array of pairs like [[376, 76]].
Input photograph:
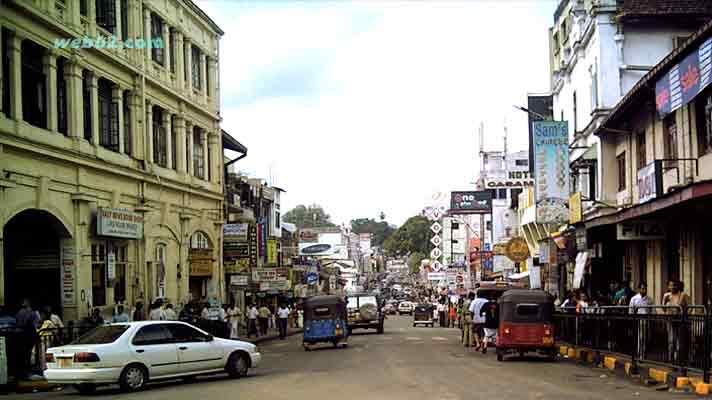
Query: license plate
[[548, 340], [64, 362]]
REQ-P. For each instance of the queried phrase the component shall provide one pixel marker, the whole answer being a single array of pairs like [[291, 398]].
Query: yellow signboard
[[575, 210], [272, 252], [517, 249]]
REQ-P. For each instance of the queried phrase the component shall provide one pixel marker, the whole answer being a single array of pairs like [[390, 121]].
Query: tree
[[312, 216], [411, 237], [379, 230], [414, 261]]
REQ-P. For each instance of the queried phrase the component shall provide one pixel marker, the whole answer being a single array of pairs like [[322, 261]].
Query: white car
[[131, 354], [405, 307]]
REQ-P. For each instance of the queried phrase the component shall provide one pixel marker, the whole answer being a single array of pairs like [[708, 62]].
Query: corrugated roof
[[654, 8]]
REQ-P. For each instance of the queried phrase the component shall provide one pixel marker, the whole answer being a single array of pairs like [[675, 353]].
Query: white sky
[[373, 106]]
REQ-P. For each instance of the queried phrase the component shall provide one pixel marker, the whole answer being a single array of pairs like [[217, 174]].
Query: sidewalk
[[272, 334]]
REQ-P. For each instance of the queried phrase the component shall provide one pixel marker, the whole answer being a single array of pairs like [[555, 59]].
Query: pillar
[[2, 111], [189, 143], [15, 49], [91, 16], [118, 30], [94, 89], [212, 71], [75, 106], [204, 141], [181, 148], [118, 98], [188, 66], [215, 154], [179, 54], [148, 125], [49, 66], [169, 138], [166, 49], [203, 76], [147, 35]]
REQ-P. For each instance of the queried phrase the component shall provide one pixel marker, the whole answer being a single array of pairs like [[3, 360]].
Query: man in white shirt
[[478, 321], [282, 318], [641, 300], [252, 314]]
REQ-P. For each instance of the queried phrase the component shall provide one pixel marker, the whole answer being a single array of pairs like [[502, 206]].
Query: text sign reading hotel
[[119, 223]]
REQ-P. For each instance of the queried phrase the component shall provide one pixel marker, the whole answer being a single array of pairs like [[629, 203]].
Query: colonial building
[[111, 175]]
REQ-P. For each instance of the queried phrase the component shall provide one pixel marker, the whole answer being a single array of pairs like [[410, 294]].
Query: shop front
[[201, 260]]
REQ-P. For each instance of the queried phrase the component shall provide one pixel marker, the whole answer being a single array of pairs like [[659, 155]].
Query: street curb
[[269, 338]]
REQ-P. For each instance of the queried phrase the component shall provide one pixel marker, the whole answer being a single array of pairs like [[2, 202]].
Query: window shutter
[[110, 14], [114, 126], [100, 12]]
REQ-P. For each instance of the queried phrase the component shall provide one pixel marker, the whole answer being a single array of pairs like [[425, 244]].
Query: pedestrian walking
[[264, 317], [467, 337], [170, 313], [95, 319], [156, 313], [677, 300], [453, 315], [234, 317], [121, 315], [490, 311], [282, 315], [478, 320], [138, 313], [27, 323], [47, 335], [252, 315], [638, 305], [442, 315]]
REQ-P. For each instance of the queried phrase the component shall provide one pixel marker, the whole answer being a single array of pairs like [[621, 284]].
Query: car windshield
[[367, 300], [102, 334]]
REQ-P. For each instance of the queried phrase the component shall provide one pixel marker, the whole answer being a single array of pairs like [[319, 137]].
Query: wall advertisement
[[650, 182], [69, 273], [120, 223], [551, 171], [685, 80]]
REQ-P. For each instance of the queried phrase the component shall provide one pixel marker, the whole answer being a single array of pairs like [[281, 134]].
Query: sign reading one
[[650, 182], [471, 202], [115, 222], [640, 230], [551, 170]]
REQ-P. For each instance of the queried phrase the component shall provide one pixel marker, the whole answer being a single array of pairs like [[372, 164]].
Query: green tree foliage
[[411, 237], [312, 216], [414, 261], [380, 230]]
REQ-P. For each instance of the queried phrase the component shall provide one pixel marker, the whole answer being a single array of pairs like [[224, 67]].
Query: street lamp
[[534, 113]]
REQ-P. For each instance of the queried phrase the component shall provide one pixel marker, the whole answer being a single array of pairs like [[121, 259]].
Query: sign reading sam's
[[115, 222]]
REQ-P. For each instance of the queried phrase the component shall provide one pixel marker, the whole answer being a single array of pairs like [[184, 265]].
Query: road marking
[[413, 338], [401, 329], [440, 338], [386, 338]]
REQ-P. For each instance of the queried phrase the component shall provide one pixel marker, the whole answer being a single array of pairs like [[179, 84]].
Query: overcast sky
[[373, 106]]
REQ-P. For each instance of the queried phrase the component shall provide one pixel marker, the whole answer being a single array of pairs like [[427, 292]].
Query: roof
[[667, 8], [523, 295], [202, 13], [231, 143], [323, 300], [647, 82], [291, 228]]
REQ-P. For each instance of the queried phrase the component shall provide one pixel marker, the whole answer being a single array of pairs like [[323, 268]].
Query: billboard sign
[[551, 171], [115, 222], [471, 202], [650, 182], [685, 80]]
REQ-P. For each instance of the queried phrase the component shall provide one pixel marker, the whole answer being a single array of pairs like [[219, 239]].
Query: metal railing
[[673, 336]]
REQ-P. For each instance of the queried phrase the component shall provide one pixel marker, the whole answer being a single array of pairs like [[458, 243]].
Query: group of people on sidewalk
[[479, 318], [261, 317], [675, 297]]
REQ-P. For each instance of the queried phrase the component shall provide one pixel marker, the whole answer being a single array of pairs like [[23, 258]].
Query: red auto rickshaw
[[525, 323]]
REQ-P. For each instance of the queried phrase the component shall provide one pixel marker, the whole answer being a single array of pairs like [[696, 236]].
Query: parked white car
[[405, 307], [131, 354]]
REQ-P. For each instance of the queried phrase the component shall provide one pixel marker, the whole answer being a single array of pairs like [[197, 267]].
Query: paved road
[[405, 363]]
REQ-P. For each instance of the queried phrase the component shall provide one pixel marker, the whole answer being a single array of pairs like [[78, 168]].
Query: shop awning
[[518, 276]]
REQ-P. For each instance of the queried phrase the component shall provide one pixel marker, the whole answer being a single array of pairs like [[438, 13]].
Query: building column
[[189, 143], [91, 16], [212, 71], [214, 143], [180, 144], [118, 98], [15, 49], [180, 67], [167, 49], [94, 89], [169, 138], [188, 66], [49, 65], [148, 125], [204, 141], [147, 34], [117, 31], [203, 76], [75, 106], [2, 81]]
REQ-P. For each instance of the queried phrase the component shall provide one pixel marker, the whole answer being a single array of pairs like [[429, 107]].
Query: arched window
[[200, 240]]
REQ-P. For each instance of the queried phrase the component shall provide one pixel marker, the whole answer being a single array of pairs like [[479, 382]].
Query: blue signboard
[[312, 278], [551, 171], [685, 80]]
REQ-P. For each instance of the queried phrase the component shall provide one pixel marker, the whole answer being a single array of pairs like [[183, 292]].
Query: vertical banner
[[252, 239], [551, 170], [69, 273]]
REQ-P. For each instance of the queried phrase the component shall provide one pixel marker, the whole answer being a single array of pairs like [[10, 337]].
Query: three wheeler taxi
[[325, 321], [423, 314], [525, 323]]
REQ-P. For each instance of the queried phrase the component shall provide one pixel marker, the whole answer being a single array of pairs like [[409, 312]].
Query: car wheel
[[500, 356], [133, 378], [237, 365], [85, 388], [380, 328]]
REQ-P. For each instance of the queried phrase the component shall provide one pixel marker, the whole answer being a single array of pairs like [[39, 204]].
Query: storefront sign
[[236, 232], [266, 275], [236, 266], [650, 182], [110, 267], [575, 208], [201, 262], [272, 252], [581, 261], [685, 80], [517, 249], [437, 276], [581, 243], [239, 280], [308, 236], [275, 285], [515, 179], [551, 171], [236, 250], [115, 222], [69, 273], [300, 268], [544, 252], [499, 249], [312, 278], [252, 239], [471, 202], [640, 230], [315, 249]]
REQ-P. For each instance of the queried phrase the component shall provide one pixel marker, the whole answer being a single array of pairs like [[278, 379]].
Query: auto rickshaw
[[325, 321], [423, 314], [525, 323]]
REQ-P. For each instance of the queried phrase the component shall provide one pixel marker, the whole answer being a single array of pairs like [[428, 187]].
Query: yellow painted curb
[[563, 350], [658, 374], [609, 363], [703, 389], [681, 382]]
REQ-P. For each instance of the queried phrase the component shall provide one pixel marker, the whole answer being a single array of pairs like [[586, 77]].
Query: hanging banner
[[551, 170], [69, 273], [650, 182], [575, 208], [685, 80], [272, 252], [235, 232]]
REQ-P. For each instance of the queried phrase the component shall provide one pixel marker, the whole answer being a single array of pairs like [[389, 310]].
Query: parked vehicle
[[325, 320], [405, 307], [525, 323], [365, 312], [423, 314], [132, 354]]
